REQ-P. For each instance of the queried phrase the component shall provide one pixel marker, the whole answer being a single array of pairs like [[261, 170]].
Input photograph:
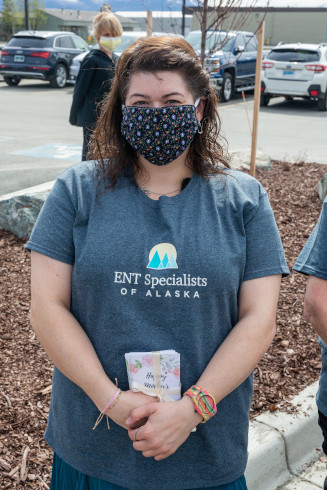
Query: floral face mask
[[162, 134]]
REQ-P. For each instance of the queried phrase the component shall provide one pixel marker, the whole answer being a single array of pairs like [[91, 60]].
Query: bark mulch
[[292, 362]]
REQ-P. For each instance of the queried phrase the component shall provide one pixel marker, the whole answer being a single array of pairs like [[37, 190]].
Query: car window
[[251, 43], [214, 41], [126, 40], [27, 42], [79, 43], [64, 42], [297, 54], [239, 41]]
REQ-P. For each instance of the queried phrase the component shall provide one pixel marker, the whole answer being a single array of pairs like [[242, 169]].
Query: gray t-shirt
[[153, 275], [313, 261]]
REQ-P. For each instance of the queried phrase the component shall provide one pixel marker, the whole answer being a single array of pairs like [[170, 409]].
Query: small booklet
[[155, 373]]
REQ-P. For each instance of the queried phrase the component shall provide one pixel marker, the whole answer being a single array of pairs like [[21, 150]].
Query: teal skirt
[[64, 477]]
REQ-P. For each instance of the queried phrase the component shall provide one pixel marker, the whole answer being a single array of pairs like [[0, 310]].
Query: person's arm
[[169, 424], [315, 305], [82, 86], [66, 342]]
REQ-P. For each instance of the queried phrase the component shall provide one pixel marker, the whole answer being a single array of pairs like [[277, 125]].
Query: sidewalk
[[310, 479]]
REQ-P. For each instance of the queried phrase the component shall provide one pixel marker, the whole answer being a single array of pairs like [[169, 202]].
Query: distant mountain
[[116, 5]]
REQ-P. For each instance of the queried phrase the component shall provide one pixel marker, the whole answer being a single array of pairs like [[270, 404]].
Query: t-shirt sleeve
[[52, 234], [264, 250], [313, 258]]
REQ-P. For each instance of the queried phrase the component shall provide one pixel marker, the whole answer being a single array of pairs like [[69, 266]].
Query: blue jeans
[[64, 477]]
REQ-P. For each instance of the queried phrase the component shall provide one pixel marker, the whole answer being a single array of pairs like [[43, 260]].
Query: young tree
[[11, 18], [37, 17], [220, 15]]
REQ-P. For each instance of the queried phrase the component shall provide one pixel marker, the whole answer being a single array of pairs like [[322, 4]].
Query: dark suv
[[41, 55]]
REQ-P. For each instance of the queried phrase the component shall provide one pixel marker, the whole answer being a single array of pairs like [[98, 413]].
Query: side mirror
[[239, 49]]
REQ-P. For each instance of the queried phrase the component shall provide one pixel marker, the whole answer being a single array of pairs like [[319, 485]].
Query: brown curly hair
[[108, 147]]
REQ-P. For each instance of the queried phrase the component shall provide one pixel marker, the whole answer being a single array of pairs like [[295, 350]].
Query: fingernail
[[128, 421]]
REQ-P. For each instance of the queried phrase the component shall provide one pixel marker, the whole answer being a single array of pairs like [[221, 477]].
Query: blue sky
[[127, 5]]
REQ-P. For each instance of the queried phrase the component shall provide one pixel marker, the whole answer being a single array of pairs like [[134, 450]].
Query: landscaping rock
[[19, 210], [322, 188], [241, 159]]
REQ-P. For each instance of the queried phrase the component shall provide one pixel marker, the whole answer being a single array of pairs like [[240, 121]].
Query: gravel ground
[[292, 362]]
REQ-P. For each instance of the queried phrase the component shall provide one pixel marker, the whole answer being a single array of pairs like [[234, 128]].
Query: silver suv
[[296, 70]]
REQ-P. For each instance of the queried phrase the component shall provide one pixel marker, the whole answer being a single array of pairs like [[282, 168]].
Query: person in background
[[312, 261], [154, 245], [95, 76]]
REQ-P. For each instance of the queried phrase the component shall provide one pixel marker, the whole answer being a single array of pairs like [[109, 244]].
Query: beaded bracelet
[[204, 403], [112, 402]]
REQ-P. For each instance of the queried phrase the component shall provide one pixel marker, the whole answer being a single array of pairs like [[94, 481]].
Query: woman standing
[[102, 285], [95, 75]]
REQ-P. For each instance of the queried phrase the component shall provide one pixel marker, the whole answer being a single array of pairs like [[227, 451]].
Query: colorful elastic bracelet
[[112, 402], [204, 403]]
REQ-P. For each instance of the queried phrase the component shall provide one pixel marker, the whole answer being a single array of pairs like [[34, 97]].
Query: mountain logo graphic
[[163, 256]]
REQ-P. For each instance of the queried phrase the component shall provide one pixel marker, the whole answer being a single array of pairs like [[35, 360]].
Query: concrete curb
[[281, 444]]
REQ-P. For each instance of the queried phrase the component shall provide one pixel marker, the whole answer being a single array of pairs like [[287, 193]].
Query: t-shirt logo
[[163, 256]]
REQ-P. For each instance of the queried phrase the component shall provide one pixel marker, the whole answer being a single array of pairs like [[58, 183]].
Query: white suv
[[295, 70]]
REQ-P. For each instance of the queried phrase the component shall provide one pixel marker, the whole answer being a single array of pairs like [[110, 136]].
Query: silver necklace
[[148, 192]]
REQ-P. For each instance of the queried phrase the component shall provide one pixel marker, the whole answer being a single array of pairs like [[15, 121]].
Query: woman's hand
[[167, 427], [128, 401]]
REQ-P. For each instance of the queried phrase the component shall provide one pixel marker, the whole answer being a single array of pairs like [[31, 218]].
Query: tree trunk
[[204, 31]]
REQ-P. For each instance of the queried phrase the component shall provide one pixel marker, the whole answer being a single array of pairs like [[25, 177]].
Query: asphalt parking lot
[[38, 143]]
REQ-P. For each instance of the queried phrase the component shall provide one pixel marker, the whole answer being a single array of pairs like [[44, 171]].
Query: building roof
[[308, 4], [81, 15], [155, 14]]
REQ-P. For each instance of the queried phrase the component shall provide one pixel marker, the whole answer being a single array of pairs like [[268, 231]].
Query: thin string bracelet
[[112, 402], [108, 407]]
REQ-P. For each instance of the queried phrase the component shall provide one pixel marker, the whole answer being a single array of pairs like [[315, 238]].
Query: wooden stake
[[257, 93], [149, 23]]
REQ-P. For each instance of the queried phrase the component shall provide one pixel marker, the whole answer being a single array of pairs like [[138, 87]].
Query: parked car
[[296, 70], [231, 59], [41, 55], [127, 38]]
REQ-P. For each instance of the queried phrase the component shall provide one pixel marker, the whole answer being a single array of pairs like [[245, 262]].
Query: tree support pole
[[149, 23], [257, 93]]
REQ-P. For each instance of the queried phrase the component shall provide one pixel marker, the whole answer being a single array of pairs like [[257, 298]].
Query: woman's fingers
[[140, 413]]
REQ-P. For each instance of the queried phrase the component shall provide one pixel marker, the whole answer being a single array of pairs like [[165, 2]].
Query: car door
[[251, 50], [65, 48], [240, 60]]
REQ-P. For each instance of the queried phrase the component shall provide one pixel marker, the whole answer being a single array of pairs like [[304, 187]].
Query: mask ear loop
[[200, 127]]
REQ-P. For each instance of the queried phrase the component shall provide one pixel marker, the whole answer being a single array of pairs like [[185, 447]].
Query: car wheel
[[288, 98], [264, 100], [322, 103], [59, 78], [227, 88], [12, 81]]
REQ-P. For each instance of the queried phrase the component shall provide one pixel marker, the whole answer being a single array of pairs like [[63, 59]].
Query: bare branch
[[221, 15]]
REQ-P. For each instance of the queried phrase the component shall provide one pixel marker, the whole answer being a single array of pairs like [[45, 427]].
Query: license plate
[[18, 58], [288, 72]]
